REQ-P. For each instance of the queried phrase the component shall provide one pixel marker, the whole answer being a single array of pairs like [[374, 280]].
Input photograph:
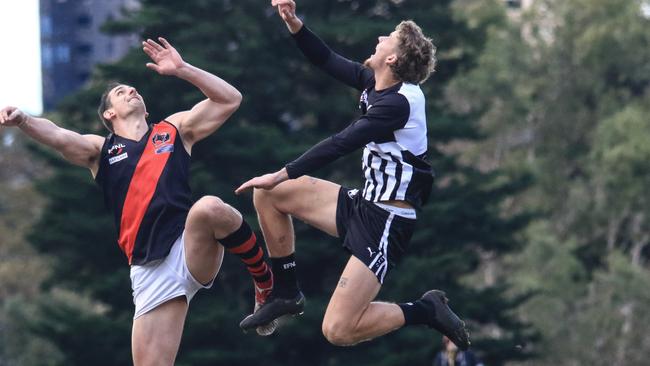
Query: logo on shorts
[[370, 251], [352, 193]]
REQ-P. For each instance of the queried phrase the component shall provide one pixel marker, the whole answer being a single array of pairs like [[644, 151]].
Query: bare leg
[[351, 317], [308, 199], [157, 334]]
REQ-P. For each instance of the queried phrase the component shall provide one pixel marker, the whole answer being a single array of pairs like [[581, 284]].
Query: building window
[[62, 53], [46, 26], [84, 20], [83, 77], [47, 56], [85, 49], [515, 4]]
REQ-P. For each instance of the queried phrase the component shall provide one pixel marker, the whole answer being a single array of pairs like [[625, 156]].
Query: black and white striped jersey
[[392, 128]]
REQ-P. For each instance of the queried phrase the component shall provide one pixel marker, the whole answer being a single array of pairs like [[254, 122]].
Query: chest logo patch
[[161, 143], [160, 138], [116, 153], [116, 149], [363, 102]]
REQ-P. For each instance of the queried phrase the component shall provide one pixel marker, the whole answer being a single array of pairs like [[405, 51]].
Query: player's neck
[[132, 128], [384, 79]]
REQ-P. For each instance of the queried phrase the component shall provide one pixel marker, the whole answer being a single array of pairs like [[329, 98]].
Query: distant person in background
[[174, 246], [450, 355], [375, 224]]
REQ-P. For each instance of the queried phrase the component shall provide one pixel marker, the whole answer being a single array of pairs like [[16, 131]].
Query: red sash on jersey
[[143, 184]]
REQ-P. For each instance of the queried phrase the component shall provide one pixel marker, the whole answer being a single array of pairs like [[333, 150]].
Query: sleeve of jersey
[[318, 53], [378, 124]]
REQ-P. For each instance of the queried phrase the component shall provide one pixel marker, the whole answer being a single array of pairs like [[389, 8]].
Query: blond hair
[[416, 54]]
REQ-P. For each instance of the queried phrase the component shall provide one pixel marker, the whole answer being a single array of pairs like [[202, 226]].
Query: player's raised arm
[[82, 150], [287, 11], [208, 115], [318, 53]]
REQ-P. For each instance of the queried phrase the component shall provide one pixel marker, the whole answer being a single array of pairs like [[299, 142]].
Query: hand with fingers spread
[[287, 11], [166, 60], [12, 116], [266, 181]]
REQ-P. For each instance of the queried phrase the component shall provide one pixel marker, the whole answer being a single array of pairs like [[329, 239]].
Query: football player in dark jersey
[[174, 246]]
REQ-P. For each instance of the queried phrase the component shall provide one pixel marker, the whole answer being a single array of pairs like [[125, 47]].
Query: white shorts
[[159, 281]]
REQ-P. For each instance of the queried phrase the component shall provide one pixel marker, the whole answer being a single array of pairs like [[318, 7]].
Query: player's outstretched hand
[[11, 116], [166, 60], [266, 181], [287, 11]]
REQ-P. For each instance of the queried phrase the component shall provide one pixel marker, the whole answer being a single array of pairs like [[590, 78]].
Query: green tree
[[561, 91], [620, 176], [22, 269]]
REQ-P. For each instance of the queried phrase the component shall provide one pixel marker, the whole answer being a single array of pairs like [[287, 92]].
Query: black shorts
[[375, 236]]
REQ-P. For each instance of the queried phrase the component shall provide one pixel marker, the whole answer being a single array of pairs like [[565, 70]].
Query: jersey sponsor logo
[[114, 159], [160, 138], [116, 149], [363, 102], [164, 149], [161, 143], [363, 99], [116, 153]]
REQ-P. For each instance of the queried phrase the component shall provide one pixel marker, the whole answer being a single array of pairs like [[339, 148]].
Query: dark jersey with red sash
[[146, 186]]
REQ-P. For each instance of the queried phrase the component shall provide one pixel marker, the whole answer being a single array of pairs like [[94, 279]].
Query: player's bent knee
[[339, 333], [210, 206], [205, 202], [213, 208], [264, 199]]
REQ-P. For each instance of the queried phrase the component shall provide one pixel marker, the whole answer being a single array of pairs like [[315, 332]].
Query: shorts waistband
[[408, 213]]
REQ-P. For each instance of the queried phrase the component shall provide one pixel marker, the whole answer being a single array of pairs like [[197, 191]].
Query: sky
[[20, 59]]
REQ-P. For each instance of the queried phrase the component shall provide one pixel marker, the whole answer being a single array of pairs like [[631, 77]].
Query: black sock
[[285, 281], [414, 312]]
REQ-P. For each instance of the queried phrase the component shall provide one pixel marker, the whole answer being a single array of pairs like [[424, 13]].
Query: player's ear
[[108, 114]]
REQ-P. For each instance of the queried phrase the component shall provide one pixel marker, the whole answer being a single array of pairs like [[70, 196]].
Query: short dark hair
[[416, 54], [105, 103]]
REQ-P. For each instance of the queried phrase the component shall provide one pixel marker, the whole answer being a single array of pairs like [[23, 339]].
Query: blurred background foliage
[[537, 228]]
